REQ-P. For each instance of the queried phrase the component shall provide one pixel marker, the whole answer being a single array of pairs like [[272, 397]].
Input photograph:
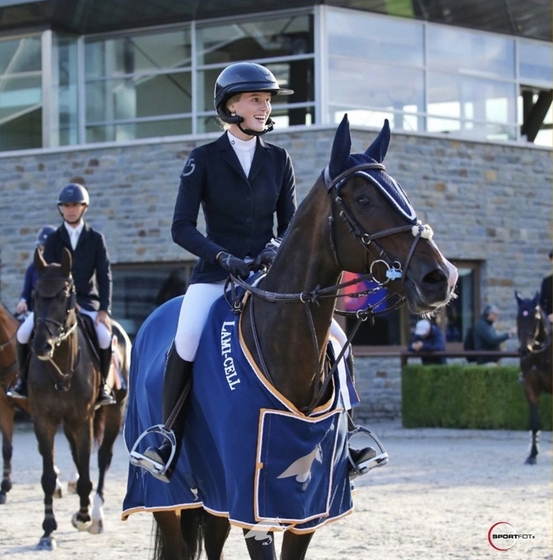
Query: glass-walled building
[[115, 93], [59, 89]]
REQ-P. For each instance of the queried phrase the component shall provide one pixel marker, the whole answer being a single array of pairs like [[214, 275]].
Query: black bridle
[[60, 331], [394, 271], [535, 343]]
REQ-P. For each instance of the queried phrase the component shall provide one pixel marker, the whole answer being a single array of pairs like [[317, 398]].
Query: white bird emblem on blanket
[[262, 531], [301, 468]]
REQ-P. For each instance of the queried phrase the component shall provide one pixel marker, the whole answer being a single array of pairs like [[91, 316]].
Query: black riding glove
[[265, 258], [237, 267], [267, 255]]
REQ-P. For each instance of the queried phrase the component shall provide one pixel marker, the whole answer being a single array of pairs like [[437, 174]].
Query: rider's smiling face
[[254, 107]]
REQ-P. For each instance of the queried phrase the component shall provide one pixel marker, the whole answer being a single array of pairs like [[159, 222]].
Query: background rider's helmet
[[43, 233], [243, 77], [73, 193]]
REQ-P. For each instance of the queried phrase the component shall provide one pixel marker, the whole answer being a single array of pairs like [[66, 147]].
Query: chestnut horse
[[8, 374], [356, 218], [64, 379], [534, 336]]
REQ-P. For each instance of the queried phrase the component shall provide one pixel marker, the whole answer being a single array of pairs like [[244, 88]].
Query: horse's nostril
[[437, 276]]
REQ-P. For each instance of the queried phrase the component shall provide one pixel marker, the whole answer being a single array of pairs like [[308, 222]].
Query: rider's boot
[[105, 395], [19, 390], [177, 377]]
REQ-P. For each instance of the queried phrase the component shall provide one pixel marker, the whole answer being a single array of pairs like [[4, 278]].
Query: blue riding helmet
[[43, 233], [73, 194]]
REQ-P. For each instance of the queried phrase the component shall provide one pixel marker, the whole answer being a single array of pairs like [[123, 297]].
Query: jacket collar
[[259, 159]]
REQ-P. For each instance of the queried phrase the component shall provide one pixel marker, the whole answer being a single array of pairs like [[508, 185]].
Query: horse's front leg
[[260, 544], [45, 433], [217, 530], [80, 441], [112, 426], [294, 547], [535, 433], [6, 425]]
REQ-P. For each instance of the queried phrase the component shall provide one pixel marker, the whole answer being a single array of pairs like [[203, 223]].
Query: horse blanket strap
[[177, 408], [247, 452]]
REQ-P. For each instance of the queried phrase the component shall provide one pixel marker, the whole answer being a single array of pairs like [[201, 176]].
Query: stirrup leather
[[157, 469], [379, 459]]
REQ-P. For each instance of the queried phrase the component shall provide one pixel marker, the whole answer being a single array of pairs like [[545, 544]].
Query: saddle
[[86, 324]]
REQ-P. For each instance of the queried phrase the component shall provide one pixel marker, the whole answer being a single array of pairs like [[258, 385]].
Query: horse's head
[[531, 323], [54, 304], [376, 228]]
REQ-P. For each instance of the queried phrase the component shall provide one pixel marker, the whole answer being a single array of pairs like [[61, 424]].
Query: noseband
[[395, 269]]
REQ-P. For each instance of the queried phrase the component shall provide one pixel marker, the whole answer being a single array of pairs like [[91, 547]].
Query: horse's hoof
[[2, 498], [72, 487], [80, 524], [531, 461], [46, 543], [97, 527]]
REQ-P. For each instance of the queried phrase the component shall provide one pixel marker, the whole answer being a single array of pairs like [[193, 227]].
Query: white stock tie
[[74, 238]]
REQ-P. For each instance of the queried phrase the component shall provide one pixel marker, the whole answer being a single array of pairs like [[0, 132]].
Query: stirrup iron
[[155, 468], [379, 459]]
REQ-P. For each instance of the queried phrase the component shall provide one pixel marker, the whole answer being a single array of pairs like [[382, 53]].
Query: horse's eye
[[363, 201]]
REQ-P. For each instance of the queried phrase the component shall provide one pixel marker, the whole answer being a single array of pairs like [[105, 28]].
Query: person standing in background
[[428, 337], [485, 335]]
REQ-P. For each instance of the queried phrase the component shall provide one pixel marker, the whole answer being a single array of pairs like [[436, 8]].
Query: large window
[[161, 83], [436, 78], [21, 93]]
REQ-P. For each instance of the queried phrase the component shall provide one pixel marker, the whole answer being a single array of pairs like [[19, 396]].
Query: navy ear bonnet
[[341, 160]]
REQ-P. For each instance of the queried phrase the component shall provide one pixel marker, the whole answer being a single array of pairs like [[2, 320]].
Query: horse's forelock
[[51, 283]]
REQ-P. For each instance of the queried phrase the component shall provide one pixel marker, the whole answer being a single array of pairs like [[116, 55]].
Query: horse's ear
[[38, 261], [66, 262], [341, 148], [517, 296], [378, 149], [536, 299]]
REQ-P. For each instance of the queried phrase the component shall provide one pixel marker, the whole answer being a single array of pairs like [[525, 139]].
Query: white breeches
[[194, 311], [104, 335]]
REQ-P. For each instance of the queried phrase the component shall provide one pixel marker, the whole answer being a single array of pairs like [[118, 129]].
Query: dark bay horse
[[8, 374], [534, 336], [64, 380], [355, 218]]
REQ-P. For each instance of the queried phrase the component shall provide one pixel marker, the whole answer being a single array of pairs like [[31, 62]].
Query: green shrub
[[467, 396]]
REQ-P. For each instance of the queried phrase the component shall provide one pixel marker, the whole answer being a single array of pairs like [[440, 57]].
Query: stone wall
[[485, 202]]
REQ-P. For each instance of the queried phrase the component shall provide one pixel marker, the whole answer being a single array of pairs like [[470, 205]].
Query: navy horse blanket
[[248, 454]]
